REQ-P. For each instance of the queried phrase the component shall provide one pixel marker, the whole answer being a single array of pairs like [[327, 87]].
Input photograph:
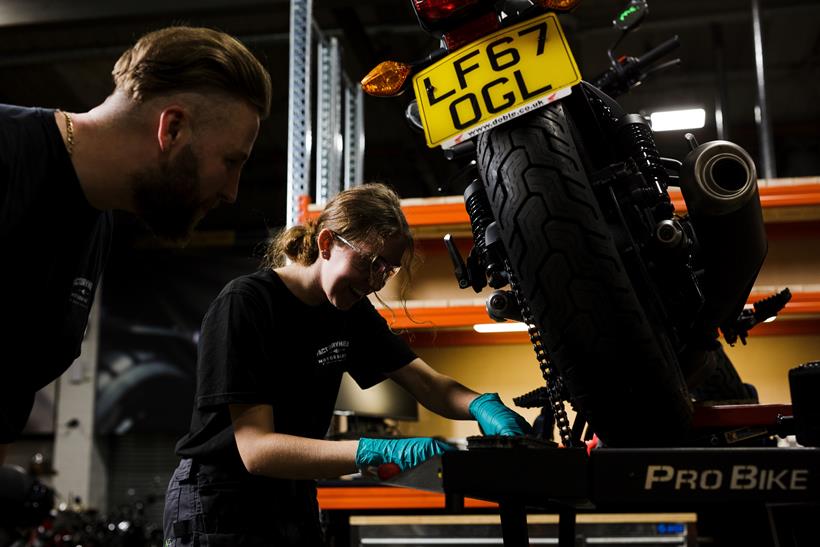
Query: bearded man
[[167, 145]]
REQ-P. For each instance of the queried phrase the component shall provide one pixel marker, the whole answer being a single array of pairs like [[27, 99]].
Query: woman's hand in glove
[[496, 419], [405, 453]]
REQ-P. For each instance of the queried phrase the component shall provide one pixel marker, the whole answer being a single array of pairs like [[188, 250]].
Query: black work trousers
[[209, 507]]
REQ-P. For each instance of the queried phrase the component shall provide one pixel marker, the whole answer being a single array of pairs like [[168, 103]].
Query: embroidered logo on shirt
[[81, 292], [332, 353]]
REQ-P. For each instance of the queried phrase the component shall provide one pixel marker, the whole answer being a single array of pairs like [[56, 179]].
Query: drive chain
[[555, 387]]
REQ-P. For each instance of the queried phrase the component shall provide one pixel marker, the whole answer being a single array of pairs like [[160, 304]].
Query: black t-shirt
[[260, 344], [54, 245]]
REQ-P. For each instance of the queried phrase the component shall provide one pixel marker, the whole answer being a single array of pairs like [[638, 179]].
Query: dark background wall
[[59, 54]]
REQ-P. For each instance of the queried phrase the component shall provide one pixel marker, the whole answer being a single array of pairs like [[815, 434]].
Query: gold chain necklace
[[69, 133]]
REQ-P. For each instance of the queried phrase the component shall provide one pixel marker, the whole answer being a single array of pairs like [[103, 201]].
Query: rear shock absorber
[[637, 142], [478, 208]]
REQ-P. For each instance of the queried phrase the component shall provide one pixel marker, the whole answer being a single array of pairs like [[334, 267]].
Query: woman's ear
[[325, 241]]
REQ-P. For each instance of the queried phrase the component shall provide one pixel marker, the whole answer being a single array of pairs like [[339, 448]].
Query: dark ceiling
[[59, 54]]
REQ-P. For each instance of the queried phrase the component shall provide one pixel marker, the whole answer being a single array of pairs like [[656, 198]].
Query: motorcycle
[[29, 518], [572, 222]]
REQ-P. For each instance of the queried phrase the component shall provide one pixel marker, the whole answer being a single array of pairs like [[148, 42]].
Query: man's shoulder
[[26, 132], [14, 113]]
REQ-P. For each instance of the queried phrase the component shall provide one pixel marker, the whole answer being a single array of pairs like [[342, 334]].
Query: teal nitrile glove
[[496, 419], [405, 453]]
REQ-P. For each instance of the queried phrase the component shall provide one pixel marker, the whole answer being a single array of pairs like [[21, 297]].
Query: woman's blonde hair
[[369, 215], [178, 59]]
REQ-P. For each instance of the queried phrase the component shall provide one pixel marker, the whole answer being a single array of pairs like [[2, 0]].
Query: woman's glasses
[[379, 268]]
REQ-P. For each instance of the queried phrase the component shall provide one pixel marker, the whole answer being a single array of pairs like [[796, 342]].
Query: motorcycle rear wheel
[[617, 362]]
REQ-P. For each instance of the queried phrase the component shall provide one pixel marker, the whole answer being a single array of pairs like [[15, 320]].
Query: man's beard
[[167, 198]]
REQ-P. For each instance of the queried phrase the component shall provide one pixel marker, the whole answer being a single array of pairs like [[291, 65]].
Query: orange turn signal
[[560, 5], [386, 79]]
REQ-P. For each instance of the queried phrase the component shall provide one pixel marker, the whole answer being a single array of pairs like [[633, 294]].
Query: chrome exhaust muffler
[[718, 180]]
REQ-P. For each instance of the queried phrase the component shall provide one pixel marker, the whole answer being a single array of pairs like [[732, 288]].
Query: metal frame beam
[[80, 466], [354, 136], [329, 120], [764, 126], [299, 137]]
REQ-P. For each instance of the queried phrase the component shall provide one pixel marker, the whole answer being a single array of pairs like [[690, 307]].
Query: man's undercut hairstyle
[[180, 59]]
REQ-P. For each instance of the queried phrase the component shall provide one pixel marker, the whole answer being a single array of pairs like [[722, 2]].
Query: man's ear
[[174, 127]]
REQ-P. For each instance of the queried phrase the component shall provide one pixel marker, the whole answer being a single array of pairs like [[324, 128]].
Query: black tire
[[620, 370], [149, 396]]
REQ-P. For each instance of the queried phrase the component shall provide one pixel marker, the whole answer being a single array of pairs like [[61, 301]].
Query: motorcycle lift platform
[[777, 488]]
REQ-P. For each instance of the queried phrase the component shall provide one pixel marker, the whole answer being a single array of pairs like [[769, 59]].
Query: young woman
[[273, 347]]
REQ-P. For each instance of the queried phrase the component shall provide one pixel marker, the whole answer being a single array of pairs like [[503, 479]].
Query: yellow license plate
[[488, 82]]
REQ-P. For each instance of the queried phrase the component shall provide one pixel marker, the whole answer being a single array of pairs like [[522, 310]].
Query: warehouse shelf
[[776, 193], [443, 314], [386, 497], [791, 209], [786, 199], [332, 495], [452, 321]]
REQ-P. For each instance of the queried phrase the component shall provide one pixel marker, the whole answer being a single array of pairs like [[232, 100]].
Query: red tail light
[[431, 11], [484, 25], [559, 5]]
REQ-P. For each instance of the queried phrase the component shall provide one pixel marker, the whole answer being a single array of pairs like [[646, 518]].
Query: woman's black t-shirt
[[261, 345]]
